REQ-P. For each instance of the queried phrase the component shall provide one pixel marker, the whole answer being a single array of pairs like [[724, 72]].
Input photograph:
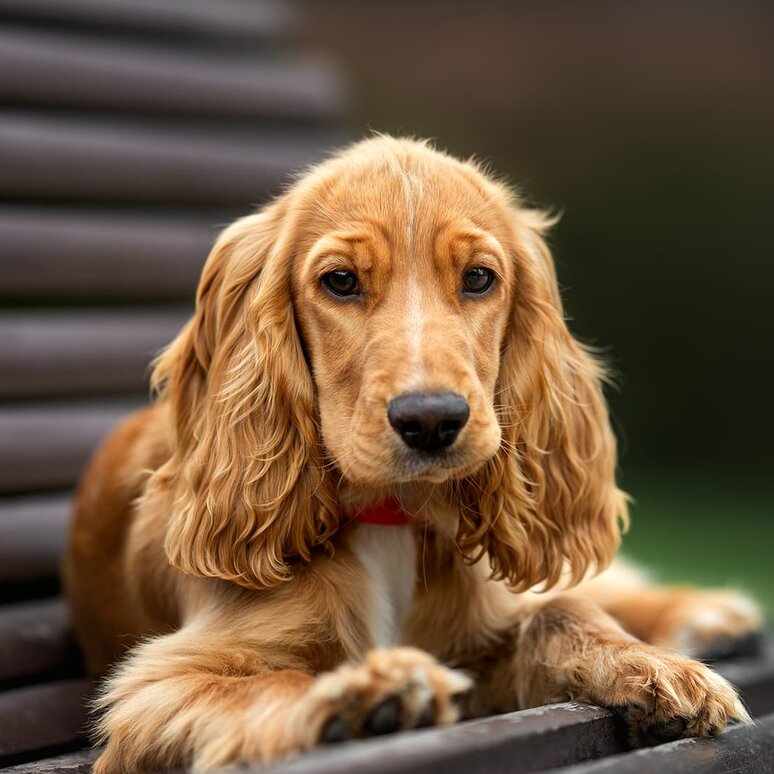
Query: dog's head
[[393, 320]]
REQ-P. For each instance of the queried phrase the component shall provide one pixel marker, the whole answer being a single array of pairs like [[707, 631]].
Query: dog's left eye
[[477, 280], [341, 282]]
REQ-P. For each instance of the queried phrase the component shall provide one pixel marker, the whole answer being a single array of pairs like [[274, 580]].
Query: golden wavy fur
[[211, 528]]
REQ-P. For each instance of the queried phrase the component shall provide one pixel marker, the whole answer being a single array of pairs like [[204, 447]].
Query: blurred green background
[[649, 126]]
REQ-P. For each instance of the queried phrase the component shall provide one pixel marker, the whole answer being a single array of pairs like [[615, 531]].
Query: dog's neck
[[387, 555], [394, 505], [381, 532]]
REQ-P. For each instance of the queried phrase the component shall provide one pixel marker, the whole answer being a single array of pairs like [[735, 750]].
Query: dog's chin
[[410, 468]]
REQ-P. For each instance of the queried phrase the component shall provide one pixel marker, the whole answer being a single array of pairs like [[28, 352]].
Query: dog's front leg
[[566, 647], [204, 699], [195, 699]]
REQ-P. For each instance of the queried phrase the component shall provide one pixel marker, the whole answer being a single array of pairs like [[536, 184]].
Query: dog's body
[[224, 526]]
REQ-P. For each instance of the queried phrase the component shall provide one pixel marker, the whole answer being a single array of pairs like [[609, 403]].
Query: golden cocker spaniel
[[377, 465]]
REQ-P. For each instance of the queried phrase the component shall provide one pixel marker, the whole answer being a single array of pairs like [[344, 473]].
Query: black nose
[[428, 421]]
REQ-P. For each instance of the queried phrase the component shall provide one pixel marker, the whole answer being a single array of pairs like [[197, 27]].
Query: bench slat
[[533, 739], [50, 157], [46, 447], [734, 750], [742, 748], [54, 252], [60, 352], [33, 532], [224, 19], [43, 717], [79, 762], [55, 69], [35, 641]]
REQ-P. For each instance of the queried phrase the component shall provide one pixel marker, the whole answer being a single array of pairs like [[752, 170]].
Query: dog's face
[[393, 318], [402, 297]]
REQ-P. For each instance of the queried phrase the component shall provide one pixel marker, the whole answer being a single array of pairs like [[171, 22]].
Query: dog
[[373, 491]]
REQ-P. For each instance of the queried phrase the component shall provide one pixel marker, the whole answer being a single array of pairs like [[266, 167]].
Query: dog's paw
[[711, 624], [393, 689], [663, 697]]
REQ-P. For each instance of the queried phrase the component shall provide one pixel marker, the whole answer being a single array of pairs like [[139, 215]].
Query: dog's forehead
[[410, 194]]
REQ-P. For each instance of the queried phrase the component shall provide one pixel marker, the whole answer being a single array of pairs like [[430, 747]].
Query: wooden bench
[[42, 714], [132, 130]]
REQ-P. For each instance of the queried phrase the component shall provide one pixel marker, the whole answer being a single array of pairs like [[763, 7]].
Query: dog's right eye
[[341, 282]]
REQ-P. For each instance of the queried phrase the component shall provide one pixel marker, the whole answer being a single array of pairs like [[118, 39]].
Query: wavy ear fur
[[547, 503], [251, 491]]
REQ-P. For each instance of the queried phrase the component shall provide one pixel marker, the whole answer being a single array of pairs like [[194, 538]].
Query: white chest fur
[[388, 555]]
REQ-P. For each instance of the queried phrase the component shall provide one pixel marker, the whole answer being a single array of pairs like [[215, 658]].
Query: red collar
[[387, 513]]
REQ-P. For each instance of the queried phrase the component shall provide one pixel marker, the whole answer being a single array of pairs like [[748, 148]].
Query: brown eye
[[341, 282], [477, 280]]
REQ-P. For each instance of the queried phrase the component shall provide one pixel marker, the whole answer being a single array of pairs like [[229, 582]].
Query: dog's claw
[[667, 731], [385, 718], [336, 730]]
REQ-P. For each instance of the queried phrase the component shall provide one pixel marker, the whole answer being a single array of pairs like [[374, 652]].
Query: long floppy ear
[[251, 492], [546, 505]]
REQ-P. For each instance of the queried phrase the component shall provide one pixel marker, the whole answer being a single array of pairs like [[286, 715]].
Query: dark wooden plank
[[739, 750], [36, 642], [45, 447], [520, 741], [50, 157], [64, 253], [54, 353], [33, 532], [235, 19], [79, 762], [43, 717], [747, 749], [58, 69]]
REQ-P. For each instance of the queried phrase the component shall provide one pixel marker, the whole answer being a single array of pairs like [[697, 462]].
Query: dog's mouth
[[411, 467], [439, 465]]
